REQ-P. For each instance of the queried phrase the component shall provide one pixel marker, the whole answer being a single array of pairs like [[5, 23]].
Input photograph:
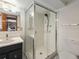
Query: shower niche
[[40, 31]]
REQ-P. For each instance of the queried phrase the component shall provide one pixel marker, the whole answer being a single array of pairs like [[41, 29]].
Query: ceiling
[[67, 1], [53, 4]]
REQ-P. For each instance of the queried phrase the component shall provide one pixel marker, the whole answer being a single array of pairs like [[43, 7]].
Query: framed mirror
[[8, 22], [11, 23]]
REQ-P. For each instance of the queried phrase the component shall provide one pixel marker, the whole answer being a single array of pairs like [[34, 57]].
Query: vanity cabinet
[[3, 57], [11, 52], [15, 55]]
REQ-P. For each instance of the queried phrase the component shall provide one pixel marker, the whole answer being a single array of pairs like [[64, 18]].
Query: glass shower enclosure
[[40, 31]]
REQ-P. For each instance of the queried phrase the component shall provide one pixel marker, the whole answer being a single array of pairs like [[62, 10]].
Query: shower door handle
[[41, 53]]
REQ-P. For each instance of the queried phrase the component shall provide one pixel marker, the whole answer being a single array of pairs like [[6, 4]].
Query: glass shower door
[[44, 38], [29, 33], [40, 42]]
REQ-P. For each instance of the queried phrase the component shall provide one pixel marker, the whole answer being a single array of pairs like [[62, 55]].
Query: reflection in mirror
[[9, 14], [8, 22], [11, 23]]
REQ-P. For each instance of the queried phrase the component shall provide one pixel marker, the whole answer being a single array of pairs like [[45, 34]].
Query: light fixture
[[9, 5], [10, 1], [32, 14]]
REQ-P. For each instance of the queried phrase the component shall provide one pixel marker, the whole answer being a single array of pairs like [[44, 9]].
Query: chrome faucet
[[6, 36]]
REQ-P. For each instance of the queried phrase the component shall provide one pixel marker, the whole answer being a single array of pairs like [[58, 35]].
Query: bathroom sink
[[10, 41], [5, 41]]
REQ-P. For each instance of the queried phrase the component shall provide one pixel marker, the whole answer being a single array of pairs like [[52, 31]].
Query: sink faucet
[[6, 36]]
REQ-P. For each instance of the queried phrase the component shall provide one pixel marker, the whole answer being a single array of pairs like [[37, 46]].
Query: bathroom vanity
[[10, 44], [11, 50]]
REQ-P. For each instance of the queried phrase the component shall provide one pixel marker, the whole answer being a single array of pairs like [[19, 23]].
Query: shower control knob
[[35, 32], [50, 25], [41, 53]]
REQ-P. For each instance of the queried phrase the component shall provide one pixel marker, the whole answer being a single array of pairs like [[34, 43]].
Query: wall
[[22, 25], [68, 33], [53, 4]]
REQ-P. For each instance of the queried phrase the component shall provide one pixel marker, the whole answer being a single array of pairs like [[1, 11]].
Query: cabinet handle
[[15, 56], [4, 58]]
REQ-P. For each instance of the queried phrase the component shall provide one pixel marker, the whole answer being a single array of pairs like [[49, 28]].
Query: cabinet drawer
[[10, 48], [3, 57], [15, 54]]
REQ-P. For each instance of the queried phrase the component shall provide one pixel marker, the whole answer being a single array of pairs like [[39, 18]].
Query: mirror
[[8, 22]]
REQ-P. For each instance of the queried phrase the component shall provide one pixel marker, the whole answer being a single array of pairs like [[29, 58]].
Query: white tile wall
[[68, 34]]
